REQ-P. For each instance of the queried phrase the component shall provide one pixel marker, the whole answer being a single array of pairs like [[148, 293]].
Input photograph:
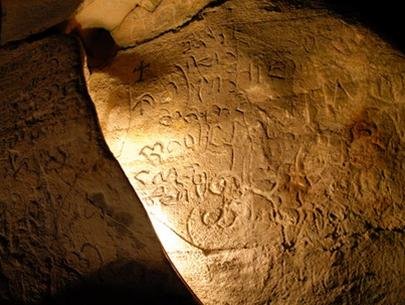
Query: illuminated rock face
[[154, 18], [72, 230], [268, 149], [134, 21], [104, 14], [266, 143]]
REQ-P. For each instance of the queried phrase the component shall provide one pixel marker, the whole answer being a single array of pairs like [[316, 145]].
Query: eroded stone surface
[[144, 23], [71, 226], [268, 148], [22, 18], [104, 14], [134, 21]]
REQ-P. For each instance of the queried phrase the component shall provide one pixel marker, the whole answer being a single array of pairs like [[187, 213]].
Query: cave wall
[[267, 144], [72, 230], [265, 140], [22, 18]]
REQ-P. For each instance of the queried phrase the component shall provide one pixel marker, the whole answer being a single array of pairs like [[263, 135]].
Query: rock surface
[[104, 14], [134, 21], [267, 144], [149, 21], [72, 230], [265, 141], [22, 18]]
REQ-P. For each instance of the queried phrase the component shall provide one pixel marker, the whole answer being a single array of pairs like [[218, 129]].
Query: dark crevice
[[99, 45], [383, 18]]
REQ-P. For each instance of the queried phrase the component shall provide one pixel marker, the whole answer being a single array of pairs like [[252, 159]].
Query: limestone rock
[[265, 141], [72, 230], [150, 20], [268, 148], [104, 14], [22, 18], [134, 21]]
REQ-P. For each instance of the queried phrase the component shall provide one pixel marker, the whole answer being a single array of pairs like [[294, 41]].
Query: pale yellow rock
[[133, 21], [268, 149], [104, 14], [150, 5], [144, 23]]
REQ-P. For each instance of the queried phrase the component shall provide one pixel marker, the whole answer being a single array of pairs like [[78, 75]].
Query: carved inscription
[[67, 212], [267, 142]]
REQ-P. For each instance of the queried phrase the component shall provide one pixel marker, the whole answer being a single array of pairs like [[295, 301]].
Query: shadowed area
[[72, 230], [382, 17], [99, 46], [119, 283]]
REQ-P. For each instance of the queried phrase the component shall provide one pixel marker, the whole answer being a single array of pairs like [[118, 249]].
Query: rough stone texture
[[104, 14], [267, 144], [149, 21], [72, 230], [22, 18], [134, 21]]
